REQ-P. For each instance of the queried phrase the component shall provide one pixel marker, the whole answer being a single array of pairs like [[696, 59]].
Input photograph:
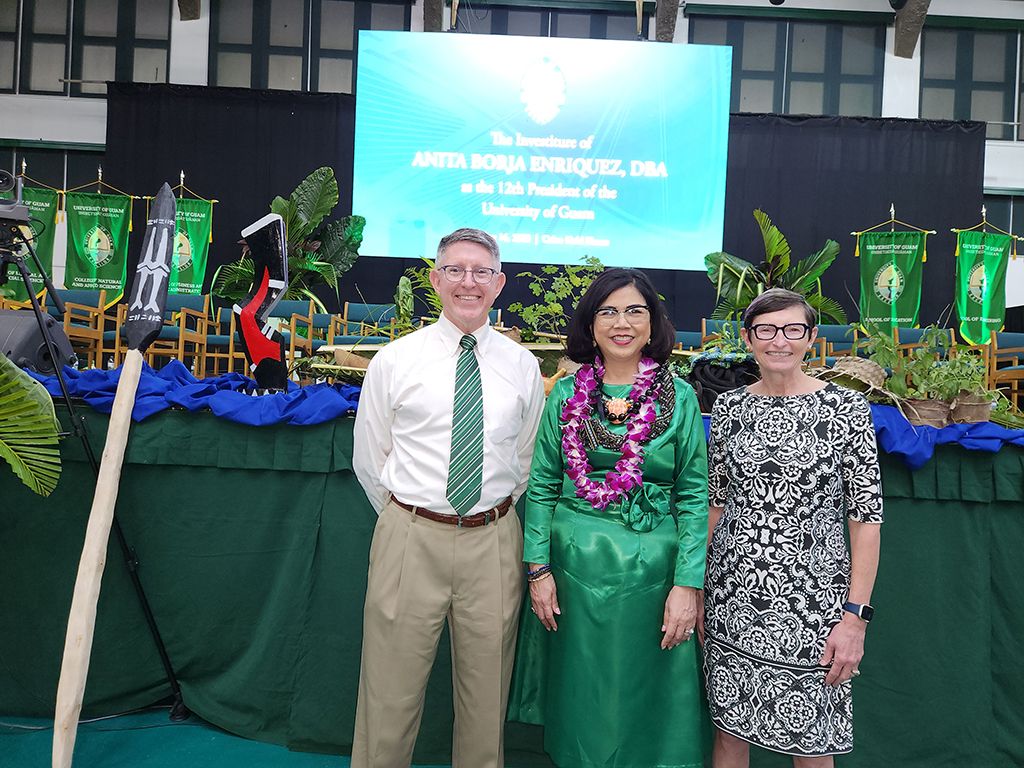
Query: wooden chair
[[907, 338], [715, 329], [183, 337], [85, 320], [363, 320], [689, 341], [224, 345], [1004, 365]]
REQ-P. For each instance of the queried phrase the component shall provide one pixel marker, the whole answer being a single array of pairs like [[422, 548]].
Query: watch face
[[867, 612]]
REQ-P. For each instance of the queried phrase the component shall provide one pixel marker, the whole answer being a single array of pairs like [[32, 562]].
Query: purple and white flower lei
[[579, 407]]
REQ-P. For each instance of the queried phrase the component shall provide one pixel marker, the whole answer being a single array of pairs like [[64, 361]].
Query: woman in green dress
[[616, 526]]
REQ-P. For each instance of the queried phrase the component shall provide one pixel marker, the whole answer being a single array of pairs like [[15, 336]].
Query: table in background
[[254, 542]]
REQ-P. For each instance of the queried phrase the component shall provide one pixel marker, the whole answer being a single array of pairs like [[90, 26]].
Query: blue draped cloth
[[915, 445], [228, 396]]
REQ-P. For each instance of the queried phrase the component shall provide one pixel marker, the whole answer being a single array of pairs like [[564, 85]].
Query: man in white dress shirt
[[444, 547]]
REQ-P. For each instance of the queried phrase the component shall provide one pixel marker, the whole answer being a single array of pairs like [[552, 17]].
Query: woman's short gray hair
[[774, 300], [467, 235]]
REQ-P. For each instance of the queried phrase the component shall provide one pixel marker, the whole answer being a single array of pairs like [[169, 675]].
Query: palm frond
[[233, 281], [776, 249], [809, 270], [823, 305], [28, 429]]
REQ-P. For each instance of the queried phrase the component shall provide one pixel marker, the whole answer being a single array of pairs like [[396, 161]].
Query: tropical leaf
[[336, 243], [306, 269], [733, 277], [776, 249], [420, 277], [823, 305], [727, 309], [313, 199], [233, 281], [808, 271], [28, 429], [404, 301], [293, 226]]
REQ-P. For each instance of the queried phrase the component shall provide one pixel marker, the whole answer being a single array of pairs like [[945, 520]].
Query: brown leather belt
[[467, 521]]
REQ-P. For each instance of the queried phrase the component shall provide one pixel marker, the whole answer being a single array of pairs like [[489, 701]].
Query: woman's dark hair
[[775, 300], [580, 344]]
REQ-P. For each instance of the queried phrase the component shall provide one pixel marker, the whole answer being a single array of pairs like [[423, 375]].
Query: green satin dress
[[602, 687]]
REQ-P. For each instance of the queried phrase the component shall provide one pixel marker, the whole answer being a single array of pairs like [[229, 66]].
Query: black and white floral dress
[[786, 470]]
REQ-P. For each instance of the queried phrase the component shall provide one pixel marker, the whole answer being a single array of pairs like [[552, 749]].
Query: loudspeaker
[[22, 342]]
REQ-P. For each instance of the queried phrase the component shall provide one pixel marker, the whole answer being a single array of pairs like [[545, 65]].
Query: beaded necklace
[[576, 413]]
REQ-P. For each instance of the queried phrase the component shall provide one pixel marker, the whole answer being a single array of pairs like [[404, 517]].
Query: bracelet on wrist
[[543, 569], [541, 577]]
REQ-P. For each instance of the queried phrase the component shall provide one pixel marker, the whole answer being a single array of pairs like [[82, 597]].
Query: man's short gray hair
[[467, 235]]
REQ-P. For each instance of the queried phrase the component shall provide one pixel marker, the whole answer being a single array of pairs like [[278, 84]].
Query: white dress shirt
[[403, 429]]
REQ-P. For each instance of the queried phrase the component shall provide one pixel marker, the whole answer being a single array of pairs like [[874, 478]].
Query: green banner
[[42, 207], [890, 278], [981, 259], [191, 246], [98, 227]]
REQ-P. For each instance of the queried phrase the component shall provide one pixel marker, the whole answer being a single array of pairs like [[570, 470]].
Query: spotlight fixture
[[897, 5], [776, 2]]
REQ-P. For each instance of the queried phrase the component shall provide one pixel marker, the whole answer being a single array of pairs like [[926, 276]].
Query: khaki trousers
[[423, 573]]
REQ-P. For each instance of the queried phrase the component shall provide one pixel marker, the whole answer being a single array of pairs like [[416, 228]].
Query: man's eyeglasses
[[635, 314], [792, 331], [455, 274]]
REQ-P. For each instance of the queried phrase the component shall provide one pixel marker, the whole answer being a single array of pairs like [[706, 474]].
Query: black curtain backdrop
[[816, 177]]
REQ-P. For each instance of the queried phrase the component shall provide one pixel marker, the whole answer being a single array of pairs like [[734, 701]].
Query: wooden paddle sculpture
[[144, 320], [263, 345]]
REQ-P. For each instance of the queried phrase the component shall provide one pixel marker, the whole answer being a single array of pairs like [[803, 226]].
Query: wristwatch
[[865, 611]]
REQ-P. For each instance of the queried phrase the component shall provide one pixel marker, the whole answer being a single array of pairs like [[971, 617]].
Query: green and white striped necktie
[[466, 467]]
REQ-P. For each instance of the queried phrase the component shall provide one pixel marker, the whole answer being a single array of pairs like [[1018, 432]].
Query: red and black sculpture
[[263, 345]]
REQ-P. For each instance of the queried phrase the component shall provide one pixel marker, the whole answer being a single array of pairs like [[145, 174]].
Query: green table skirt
[[253, 546]]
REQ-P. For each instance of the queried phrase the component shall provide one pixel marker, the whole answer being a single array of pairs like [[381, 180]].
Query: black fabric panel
[[816, 177], [241, 147]]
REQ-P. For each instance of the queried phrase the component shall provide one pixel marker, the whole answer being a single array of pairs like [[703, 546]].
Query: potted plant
[[318, 253], [737, 281]]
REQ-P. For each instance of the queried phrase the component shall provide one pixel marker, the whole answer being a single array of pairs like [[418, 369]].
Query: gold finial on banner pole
[[24, 166], [99, 179], [181, 180], [892, 217]]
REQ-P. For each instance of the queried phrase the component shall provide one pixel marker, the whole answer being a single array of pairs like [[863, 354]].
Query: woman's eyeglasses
[[792, 331], [635, 314]]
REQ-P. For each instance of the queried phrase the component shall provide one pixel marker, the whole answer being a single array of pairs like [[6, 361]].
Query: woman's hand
[[680, 616], [844, 649], [544, 599]]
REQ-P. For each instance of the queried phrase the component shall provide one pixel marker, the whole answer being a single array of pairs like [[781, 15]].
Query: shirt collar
[[451, 335]]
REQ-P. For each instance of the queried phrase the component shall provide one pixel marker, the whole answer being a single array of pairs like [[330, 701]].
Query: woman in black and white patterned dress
[[785, 605]]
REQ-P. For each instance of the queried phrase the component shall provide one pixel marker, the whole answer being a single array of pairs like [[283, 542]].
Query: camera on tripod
[[12, 211]]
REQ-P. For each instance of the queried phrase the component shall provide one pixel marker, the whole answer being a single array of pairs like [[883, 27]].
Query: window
[[296, 45], [8, 44], [110, 40], [515, 20], [791, 67], [970, 75]]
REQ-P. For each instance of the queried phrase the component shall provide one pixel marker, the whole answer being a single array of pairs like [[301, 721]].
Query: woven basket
[[350, 359], [927, 413], [848, 370], [967, 408]]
